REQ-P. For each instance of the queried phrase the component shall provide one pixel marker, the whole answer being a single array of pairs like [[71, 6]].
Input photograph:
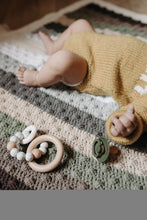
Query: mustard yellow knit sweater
[[117, 66]]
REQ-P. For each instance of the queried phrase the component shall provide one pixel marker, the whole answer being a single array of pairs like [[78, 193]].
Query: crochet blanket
[[76, 119]]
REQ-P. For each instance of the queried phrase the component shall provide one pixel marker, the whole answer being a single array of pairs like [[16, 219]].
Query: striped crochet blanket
[[76, 119]]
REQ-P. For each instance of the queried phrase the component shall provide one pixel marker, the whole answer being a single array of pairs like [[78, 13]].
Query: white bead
[[14, 152], [19, 135], [44, 145], [20, 155], [26, 133], [29, 156], [43, 150], [13, 139], [111, 143], [29, 134]]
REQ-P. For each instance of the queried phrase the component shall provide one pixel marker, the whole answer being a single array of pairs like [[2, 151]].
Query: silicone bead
[[14, 152], [20, 155], [31, 132], [13, 139], [43, 150], [44, 145], [19, 135], [25, 133], [29, 156]]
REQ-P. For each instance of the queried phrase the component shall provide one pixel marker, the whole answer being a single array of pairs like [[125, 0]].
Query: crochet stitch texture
[[75, 118]]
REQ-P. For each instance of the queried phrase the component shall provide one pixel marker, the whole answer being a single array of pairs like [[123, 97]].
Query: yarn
[[77, 119]]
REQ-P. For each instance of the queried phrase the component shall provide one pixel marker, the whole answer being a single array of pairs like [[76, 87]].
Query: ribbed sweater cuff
[[124, 140]]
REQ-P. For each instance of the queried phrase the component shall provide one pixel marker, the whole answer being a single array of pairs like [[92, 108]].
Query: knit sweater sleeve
[[125, 140]]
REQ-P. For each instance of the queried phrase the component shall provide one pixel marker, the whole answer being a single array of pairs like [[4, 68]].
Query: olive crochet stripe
[[86, 172], [78, 140]]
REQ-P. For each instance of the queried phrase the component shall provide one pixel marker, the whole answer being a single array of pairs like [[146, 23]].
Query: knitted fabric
[[73, 117], [115, 66]]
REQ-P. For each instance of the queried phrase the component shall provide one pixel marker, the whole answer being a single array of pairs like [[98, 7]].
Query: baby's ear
[[131, 109]]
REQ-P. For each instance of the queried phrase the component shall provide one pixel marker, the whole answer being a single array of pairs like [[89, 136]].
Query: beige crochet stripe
[[129, 160]]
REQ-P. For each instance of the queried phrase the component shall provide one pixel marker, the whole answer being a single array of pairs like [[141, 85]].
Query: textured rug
[[76, 119]]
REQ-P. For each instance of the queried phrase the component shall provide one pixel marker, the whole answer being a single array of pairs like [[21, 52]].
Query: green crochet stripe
[[92, 18], [81, 167]]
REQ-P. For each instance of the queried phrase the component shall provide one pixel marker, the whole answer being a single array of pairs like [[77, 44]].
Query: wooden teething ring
[[56, 161]]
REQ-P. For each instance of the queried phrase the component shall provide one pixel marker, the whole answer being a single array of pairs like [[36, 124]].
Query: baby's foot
[[47, 42], [125, 124], [27, 77]]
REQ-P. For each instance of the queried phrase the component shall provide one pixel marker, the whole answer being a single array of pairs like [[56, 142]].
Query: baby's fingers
[[114, 132], [126, 121], [131, 109], [130, 115], [117, 128]]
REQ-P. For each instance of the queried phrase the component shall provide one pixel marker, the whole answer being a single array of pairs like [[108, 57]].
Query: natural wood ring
[[47, 167]]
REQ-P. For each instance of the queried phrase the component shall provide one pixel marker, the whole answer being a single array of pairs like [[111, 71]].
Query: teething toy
[[101, 149], [25, 137], [57, 159]]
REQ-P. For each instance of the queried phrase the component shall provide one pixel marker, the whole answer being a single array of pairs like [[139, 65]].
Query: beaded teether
[[57, 159], [32, 153]]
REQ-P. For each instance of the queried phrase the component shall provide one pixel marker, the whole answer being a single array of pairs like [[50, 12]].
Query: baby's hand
[[125, 124]]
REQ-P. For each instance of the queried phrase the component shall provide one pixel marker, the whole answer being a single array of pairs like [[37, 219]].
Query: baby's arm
[[125, 124]]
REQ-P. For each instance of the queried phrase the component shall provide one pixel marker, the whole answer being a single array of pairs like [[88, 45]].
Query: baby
[[99, 65]]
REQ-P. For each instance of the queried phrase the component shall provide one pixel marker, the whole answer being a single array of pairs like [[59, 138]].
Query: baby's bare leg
[[125, 124], [63, 66], [53, 46]]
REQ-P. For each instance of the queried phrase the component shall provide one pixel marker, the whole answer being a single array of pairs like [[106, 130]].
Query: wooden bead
[[114, 150], [36, 153], [11, 145]]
